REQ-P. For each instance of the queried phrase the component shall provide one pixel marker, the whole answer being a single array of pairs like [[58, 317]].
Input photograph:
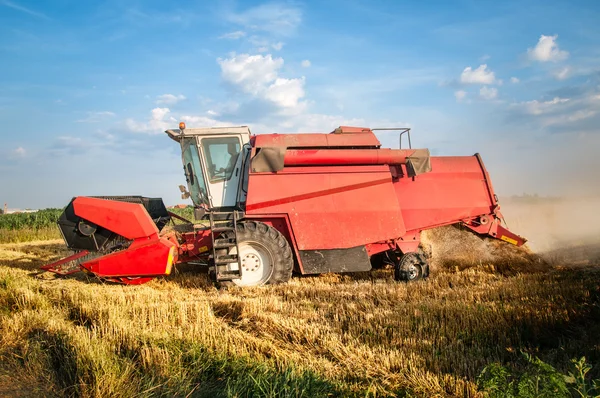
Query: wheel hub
[[251, 262], [255, 263], [412, 271]]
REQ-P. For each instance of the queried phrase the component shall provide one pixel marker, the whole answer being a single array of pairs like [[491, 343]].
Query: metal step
[[221, 221], [227, 276], [226, 259], [224, 243], [223, 229]]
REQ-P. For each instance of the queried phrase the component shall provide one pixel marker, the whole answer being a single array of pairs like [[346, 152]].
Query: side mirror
[[185, 194]]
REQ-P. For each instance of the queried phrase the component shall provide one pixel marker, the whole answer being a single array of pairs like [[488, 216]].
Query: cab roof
[[177, 134]]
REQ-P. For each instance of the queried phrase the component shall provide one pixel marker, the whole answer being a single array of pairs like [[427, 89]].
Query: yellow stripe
[[509, 240], [170, 260]]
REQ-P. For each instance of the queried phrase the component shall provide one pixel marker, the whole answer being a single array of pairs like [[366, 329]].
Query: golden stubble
[[364, 331]]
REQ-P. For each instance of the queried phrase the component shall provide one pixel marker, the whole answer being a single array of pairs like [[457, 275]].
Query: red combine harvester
[[268, 205]]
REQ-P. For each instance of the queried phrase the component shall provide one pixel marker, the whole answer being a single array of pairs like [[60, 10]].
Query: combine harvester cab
[[278, 203]]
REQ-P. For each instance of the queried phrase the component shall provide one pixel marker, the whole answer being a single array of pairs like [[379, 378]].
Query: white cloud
[[563, 73], [159, 113], [514, 80], [105, 136], [285, 92], [258, 76], [460, 95], [581, 114], [306, 63], [20, 151], [263, 44], [481, 75], [250, 72], [238, 34], [95, 117], [274, 18], [169, 99], [536, 107], [156, 125], [488, 93], [547, 50]]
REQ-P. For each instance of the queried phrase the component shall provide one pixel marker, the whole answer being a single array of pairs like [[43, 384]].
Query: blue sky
[[87, 88]]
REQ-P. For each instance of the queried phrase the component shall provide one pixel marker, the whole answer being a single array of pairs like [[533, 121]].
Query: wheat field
[[331, 335]]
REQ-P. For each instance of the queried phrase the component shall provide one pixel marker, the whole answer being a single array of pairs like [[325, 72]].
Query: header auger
[[282, 203]]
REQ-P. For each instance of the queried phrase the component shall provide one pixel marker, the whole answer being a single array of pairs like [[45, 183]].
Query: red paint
[[194, 245], [339, 197], [349, 137], [130, 220], [307, 157], [314, 195], [454, 190], [142, 258], [378, 247], [358, 207]]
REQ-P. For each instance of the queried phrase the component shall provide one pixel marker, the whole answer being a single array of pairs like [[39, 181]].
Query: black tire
[[274, 243], [411, 267]]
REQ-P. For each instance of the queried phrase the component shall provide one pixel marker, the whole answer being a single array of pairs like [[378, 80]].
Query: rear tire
[[266, 256], [411, 267]]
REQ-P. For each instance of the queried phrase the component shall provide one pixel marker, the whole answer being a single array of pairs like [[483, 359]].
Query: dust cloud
[[559, 232], [562, 230]]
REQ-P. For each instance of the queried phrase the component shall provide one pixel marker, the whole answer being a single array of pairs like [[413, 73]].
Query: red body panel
[[349, 137], [337, 198], [454, 189], [129, 220], [142, 258], [194, 244], [329, 210]]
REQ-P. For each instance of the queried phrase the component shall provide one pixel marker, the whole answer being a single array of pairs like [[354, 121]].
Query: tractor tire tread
[[276, 244]]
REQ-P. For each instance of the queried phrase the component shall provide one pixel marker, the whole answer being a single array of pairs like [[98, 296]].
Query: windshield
[[193, 171], [221, 156]]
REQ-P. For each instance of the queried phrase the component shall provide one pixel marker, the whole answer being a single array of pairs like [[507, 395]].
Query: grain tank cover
[[342, 137]]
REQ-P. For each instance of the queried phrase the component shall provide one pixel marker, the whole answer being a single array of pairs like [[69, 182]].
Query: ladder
[[224, 222]]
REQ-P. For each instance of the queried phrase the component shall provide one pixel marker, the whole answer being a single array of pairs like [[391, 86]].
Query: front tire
[[265, 255]]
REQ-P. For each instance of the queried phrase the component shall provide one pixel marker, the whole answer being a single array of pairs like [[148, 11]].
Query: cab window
[[221, 156]]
